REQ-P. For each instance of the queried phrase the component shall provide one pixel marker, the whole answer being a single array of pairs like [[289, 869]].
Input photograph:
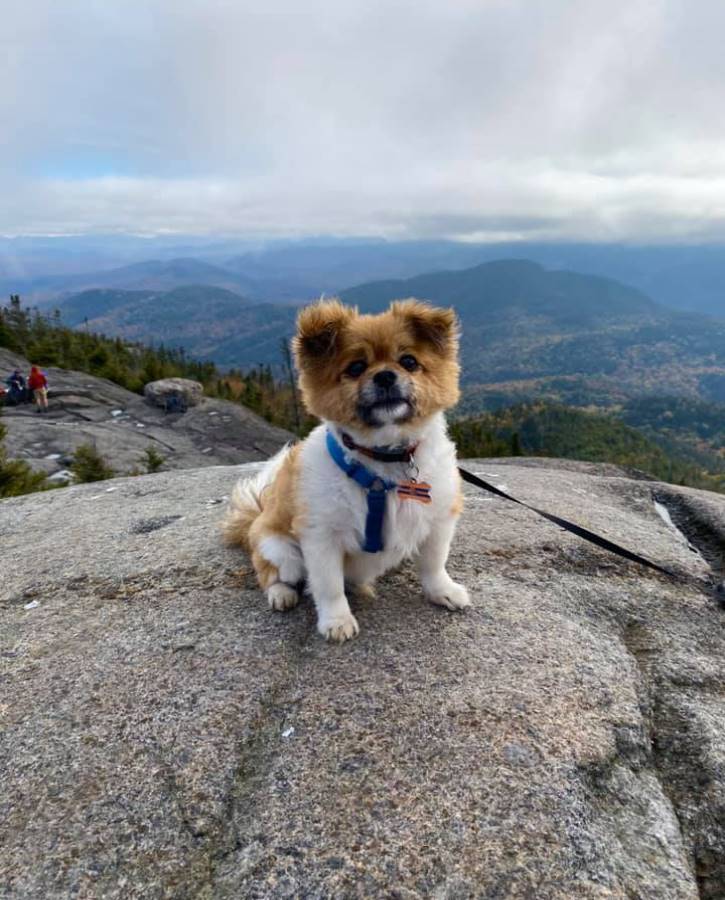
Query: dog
[[376, 482]]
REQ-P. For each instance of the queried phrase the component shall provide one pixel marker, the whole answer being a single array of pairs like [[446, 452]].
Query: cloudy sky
[[473, 119]]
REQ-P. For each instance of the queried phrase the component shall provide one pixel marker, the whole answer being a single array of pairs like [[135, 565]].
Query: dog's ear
[[319, 331], [429, 324]]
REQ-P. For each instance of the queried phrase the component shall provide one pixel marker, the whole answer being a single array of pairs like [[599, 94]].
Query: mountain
[[578, 339], [688, 277], [506, 289], [98, 303], [197, 317], [167, 274], [304, 270], [157, 275], [528, 332]]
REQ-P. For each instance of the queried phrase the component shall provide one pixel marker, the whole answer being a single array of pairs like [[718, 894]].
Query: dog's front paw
[[339, 628], [282, 596], [449, 594]]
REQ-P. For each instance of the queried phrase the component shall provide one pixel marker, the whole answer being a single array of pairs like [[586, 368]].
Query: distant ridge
[[687, 277], [154, 274], [528, 332], [511, 287], [197, 317]]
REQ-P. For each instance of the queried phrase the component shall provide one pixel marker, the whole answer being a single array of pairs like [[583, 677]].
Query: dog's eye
[[356, 368], [408, 362]]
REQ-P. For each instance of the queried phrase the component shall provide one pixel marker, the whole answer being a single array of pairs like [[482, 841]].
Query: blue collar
[[376, 487]]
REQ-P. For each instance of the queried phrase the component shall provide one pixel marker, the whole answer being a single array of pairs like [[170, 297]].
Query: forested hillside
[[530, 333], [46, 341], [544, 429], [530, 429]]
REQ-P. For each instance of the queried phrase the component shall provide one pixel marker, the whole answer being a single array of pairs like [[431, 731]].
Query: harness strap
[[584, 533], [376, 488]]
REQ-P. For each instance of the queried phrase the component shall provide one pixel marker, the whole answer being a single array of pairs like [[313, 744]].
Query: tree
[[152, 459], [16, 476], [287, 359], [89, 465]]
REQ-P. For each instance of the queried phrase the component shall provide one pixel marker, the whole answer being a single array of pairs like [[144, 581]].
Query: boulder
[[165, 735], [160, 392]]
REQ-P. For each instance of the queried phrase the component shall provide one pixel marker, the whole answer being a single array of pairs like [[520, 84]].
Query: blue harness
[[376, 487]]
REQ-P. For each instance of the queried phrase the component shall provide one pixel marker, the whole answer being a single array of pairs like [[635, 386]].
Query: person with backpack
[[16, 388], [38, 384]]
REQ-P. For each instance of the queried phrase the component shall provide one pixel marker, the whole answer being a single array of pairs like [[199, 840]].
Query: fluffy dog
[[376, 482]]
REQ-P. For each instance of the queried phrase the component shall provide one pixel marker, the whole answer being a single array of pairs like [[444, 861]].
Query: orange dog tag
[[414, 490]]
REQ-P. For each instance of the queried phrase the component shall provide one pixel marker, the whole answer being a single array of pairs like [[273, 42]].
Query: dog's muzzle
[[384, 399]]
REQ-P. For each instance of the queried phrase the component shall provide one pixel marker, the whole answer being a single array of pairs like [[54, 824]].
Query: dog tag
[[414, 490]]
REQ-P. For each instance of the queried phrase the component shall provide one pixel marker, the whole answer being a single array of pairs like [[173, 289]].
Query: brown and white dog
[[380, 384]]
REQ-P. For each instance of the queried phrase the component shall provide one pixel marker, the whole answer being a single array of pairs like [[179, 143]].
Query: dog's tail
[[247, 500]]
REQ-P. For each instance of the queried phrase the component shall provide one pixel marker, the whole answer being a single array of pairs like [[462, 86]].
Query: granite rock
[[158, 392], [122, 426], [164, 735]]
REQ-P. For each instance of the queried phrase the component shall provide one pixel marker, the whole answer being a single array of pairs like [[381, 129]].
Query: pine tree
[[16, 476], [89, 465]]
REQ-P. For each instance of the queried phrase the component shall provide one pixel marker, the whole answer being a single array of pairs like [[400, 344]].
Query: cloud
[[471, 120]]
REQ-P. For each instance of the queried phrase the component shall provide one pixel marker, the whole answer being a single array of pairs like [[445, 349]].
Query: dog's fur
[[303, 518]]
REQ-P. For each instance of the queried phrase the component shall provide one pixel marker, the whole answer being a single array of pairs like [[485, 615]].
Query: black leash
[[584, 533]]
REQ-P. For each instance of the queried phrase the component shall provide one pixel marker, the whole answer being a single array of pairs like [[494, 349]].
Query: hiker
[[17, 392], [38, 384]]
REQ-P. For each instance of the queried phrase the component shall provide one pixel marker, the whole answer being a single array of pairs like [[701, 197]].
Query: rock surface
[[164, 735], [122, 426], [158, 392]]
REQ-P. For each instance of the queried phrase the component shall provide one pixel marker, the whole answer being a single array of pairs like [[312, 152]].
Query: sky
[[478, 120]]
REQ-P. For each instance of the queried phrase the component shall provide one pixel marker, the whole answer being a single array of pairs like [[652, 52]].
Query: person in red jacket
[[38, 384]]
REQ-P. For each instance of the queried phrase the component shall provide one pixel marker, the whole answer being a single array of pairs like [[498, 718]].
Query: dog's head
[[371, 371]]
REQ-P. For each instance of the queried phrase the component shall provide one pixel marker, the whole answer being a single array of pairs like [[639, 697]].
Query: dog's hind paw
[[451, 595], [282, 596]]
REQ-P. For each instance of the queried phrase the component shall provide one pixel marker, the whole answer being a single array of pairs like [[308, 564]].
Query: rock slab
[[122, 426], [164, 735]]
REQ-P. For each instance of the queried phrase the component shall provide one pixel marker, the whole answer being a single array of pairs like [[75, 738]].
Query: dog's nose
[[385, 379]]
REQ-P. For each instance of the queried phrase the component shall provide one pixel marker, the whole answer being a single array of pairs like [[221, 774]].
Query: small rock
[[519, 755], [64, 476]]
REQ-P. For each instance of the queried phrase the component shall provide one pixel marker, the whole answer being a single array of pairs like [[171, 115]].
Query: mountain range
[[579, 339], [527, 332], [209, 322], [45, 269]]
